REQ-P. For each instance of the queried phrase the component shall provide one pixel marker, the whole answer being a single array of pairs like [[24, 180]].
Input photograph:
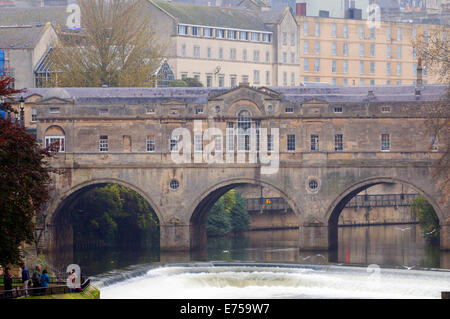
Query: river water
[[370, 262]]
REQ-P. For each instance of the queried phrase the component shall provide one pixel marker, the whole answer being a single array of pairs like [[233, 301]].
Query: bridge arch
[[65, 201], [203, 203], [337, 205]]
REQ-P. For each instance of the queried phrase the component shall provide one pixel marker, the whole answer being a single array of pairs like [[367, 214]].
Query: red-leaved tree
[[25, 181]]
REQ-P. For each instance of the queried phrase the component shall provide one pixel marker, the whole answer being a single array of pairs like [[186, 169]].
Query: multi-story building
[[222, 47], [352, 52]]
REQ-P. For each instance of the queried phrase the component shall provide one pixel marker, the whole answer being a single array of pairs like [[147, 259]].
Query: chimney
[[300, 9]]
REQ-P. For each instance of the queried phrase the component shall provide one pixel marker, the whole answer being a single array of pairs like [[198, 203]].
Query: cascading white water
[[273, 281]]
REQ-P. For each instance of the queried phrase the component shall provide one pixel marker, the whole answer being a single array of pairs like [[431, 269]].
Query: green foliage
[[114, 215], [229, 214], [427, 218], [186, 82]]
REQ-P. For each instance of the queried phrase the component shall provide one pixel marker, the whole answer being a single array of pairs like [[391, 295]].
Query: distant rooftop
[[31, 16], [234, 18], [20, 37]]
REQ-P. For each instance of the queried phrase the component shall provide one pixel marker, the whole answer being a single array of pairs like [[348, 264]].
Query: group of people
[[40, 281]]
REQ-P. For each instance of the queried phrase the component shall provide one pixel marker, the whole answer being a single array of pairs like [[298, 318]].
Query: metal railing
[[59, 288]]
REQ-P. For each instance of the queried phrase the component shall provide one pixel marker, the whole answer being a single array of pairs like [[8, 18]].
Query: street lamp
[[22, 113]]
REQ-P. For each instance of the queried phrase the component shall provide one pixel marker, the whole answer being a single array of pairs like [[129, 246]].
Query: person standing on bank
[[25, 278], [45, 280], [36, 279], [7, 282]]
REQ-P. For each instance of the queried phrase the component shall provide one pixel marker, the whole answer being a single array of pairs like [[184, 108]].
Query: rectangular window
[[388, 34], [361, 67], [414, 69], [232, 54], [372, 50], [284, 57], [243, 35], [268, 77], [207, 32], [208, 80], [196, 51], [103, 112], [198, 143], [333, 66], [284, 38], [317, 30], [345, 31], [183, 50], [267, 57], [58, 140], [338, 142], [218, 144], [305, 29], [284, 78], [399, 51], [399, 69], [198, 110], [221, 81], [232, 34], [399, 34], [317, 47], [337, 109], [291, 142], [256, 76], [292, 38], [230, 137], [361, 49], [208, 53], [372, 67], [195, 31], [292, 79], [333, 30], [220, 33], [414, 52], [317, 65], [255, 36], [232, 80], [334, 81], [182, 30], [33, 114], [266, 37], [245, 78], [388, 51], [292, 58], [385, 142], [54, 110], [414, 34], [345, 82], [269, 142], [388, 68], [150, 143], [220, 53], [244, 55], [314, 142], [103, 143], [385, 109], [289, 109], [361, 32], [305, 47], [345, 67], [305, 65], [372, 33], [361, 82], [256, 56], [345, 49], [333, 48]]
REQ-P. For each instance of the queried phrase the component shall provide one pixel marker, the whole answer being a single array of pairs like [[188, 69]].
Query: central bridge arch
[[205, 201]]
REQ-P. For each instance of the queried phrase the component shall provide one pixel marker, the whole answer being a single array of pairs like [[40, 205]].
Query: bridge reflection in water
[[387, 246]]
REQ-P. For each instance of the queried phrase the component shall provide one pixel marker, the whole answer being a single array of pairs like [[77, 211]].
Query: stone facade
[[105, 133]]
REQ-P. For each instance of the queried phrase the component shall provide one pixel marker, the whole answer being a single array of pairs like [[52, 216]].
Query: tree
[[434, 51], [428, 220], [186, 82], [239, 215], [25, 183], [116, 46], [218, 220]]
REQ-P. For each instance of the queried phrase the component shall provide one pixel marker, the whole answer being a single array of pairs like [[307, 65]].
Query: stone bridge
[[327, 143]]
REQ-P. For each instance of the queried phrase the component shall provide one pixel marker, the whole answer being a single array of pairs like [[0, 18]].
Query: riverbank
[[90, 292]]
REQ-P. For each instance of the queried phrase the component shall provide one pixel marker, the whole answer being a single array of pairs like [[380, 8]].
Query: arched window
[[55, 135], [244, 124]]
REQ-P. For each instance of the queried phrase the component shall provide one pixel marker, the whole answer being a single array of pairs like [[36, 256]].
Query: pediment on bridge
[[244, 91], [55, 100]]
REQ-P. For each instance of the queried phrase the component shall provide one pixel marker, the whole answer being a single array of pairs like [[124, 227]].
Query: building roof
[[330, 94], [21, 37], [232, 18], [31, 16]]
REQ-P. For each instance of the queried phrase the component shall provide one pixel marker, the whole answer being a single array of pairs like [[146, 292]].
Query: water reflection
[[387, 246]]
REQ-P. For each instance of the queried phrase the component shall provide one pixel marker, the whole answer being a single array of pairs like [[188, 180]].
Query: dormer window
[[183, 29], [338, 109], [150, 110], [289, 109], [54, 110], [385, 109], [199, 110]]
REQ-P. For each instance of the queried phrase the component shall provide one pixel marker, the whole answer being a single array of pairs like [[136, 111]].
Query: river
[[371, 262]]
